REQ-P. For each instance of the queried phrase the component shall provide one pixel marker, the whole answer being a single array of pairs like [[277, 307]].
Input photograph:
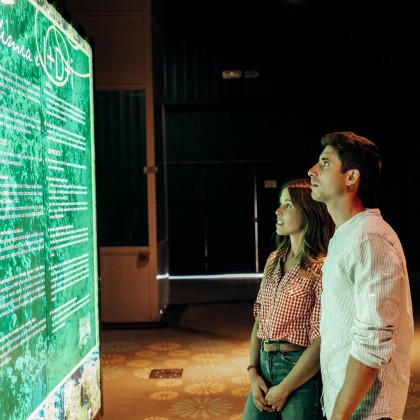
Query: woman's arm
[[258, 386]]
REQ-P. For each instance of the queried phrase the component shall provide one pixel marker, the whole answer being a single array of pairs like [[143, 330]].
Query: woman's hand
[[259, 389], [276, 397]]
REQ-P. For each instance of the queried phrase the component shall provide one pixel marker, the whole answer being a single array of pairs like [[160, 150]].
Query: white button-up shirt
[[366, 312]]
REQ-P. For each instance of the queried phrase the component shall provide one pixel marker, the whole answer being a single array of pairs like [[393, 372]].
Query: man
[[366, 310]]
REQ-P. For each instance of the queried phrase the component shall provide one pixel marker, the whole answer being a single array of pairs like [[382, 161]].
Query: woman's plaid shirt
[[289, 304]]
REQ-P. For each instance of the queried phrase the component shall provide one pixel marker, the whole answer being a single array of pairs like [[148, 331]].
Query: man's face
[[327, 180]]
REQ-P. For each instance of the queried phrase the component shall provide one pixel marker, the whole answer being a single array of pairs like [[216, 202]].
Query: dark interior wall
[[120, 157], [220, 163], [348, 65], [323, 66]]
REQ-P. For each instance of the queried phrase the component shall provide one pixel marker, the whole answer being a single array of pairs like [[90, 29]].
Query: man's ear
[[353, 176]]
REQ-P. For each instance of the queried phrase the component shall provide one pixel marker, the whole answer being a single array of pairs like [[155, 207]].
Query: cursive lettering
[[8, 41]]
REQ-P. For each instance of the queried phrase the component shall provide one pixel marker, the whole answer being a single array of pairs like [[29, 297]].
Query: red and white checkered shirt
[[289, 305]]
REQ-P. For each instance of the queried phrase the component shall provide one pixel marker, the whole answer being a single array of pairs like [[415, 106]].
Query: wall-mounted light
[[239, 74], [7, 1], [231, 74]]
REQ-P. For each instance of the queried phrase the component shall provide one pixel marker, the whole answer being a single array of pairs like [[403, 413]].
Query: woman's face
[[289, 221]]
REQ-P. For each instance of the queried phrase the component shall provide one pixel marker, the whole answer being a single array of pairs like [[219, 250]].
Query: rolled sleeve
[[372, 346], [377, 289]]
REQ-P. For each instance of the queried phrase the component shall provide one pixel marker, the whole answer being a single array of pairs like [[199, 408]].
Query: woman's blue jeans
[[303, 404]]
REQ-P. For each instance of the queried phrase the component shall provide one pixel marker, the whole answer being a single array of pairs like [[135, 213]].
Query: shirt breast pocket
[[297, 291], [297, 301]]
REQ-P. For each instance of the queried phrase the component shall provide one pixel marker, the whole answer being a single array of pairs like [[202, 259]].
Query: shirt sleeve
[[257, 303], [314, 332], [378, 276]]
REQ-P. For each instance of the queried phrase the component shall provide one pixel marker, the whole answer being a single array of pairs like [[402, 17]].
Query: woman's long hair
[[317, 224]]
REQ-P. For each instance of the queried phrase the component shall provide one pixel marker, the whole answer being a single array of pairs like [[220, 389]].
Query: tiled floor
[[209, 341], [130, 354]]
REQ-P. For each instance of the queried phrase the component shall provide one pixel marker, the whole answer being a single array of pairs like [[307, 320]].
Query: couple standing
[[355, 351]]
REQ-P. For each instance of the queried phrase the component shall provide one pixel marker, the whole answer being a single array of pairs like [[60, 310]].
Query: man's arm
[[357, 382]]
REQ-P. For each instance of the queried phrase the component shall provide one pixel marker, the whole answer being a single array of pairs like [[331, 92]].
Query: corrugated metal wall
[[224, 139], [227, 135], [218, 165], [222, 214], [120, 158], [219, 131]]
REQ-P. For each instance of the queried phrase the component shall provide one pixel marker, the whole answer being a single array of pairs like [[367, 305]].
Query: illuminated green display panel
[[49, 345]]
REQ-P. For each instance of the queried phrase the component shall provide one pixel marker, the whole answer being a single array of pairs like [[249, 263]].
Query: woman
[[285, 340]]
